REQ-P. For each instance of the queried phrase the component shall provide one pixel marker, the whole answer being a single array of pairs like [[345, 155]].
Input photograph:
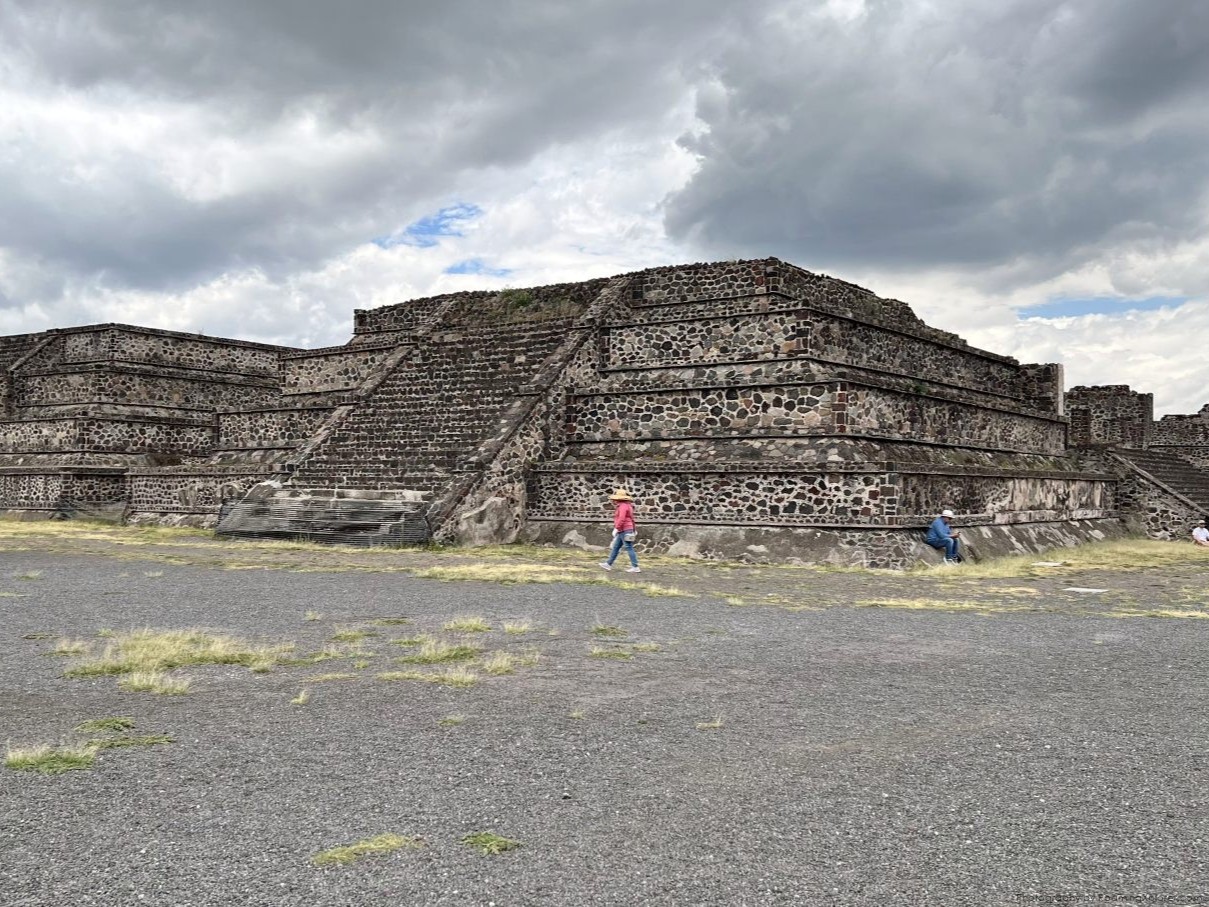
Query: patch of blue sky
[[477, 267], [428, 231], [1098, 305]]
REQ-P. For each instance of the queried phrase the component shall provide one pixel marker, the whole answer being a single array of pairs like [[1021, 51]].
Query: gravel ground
[[865, 756]]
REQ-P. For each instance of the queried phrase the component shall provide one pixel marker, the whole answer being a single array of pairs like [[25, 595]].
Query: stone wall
[[1185, 436], [790, 495], [801, 333], [335, 369], [141, 387], [831, 408], [61, 490], [198, 491], [1108, 415], [261, 428], [127, 436], [1157, 512], [123, 343]]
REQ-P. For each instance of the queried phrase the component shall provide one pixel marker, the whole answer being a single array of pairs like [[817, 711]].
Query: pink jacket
[[623, 517]]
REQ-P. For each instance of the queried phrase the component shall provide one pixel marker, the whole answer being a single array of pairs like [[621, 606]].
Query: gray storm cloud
[[955, 134]]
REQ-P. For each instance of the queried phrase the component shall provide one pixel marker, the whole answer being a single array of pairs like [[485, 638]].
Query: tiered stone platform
[[755, 410]]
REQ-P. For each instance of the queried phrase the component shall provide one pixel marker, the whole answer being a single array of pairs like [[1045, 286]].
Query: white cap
[[946, 513]]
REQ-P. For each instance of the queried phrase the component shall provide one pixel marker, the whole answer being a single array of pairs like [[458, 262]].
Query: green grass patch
[[392, 621], [350, 853], [50, 760], [452, 720], [325, 678], [488, 842]]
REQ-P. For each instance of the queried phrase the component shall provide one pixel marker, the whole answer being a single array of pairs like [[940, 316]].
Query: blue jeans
[[950, 547], [618, 541]]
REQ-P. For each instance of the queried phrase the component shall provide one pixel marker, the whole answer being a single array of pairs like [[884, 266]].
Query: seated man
[[941, 536], [1200, 535]]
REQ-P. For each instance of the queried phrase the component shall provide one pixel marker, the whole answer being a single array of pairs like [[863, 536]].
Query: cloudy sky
[[1032, 174]]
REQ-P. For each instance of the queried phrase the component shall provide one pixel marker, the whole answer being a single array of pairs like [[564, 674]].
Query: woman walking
[[624, 531]]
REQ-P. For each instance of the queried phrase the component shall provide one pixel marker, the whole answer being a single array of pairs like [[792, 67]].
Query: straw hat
[[620, 495]]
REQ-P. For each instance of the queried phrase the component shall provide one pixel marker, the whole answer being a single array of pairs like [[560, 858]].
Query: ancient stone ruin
[[754, 409], [1161, 466]]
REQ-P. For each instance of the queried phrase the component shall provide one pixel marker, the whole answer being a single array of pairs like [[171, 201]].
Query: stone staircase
[[1174, 473], [406, 443]]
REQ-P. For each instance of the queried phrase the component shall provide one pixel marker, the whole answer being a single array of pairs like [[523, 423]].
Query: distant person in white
[[1200, 535]]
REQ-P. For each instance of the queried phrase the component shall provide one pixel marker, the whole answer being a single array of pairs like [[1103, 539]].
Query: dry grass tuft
[[499, 663], [452, 720], [96, 725], [107, 743], [618, 654], [312, 616], [607, 631], [303, 697], [162, 650], [711, 725], [1120, 554], [339, 856], [1161, 612], [435, 651], [412, 640], [516, 628], [153, 682], [646, 647], [939, 604], [468, 625], [70, 648], [50, 760], [352, 634], [506, 574], [527, 659], [452, 677], [324, 678]]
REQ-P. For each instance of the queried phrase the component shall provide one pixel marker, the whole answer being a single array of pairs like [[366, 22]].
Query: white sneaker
[[633, 570], [605, 565]]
